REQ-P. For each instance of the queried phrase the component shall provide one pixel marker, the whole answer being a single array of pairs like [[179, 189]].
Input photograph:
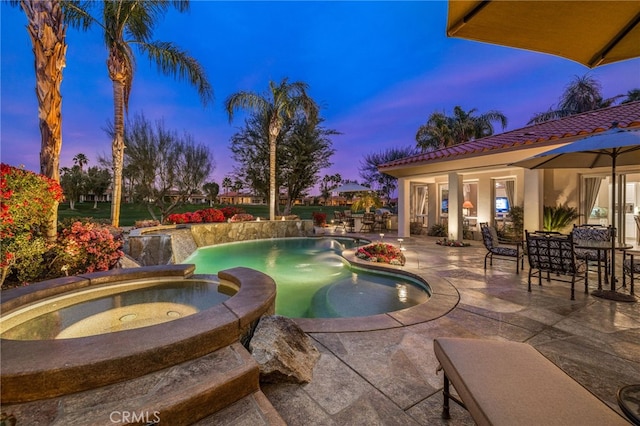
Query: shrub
[[229, 211], [437, 230], [212, 215], [241, 217], [558, 218], [26, 202], [319, 218], [84, 248]]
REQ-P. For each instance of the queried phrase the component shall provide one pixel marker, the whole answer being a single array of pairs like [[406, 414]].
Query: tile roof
[[627, 115]]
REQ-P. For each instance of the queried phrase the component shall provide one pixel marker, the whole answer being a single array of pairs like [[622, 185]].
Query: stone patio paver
[[388, 377]]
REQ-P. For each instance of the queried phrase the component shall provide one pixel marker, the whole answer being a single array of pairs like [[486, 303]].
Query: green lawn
[[131, 212]]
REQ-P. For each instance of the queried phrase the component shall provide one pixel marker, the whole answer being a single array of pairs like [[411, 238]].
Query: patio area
[[388, 377]]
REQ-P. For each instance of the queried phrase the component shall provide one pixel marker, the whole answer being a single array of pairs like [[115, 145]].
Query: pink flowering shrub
[[84, 248], [241, 217], [381, 253]]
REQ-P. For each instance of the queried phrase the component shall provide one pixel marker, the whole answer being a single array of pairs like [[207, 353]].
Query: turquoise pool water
[[313, 280]]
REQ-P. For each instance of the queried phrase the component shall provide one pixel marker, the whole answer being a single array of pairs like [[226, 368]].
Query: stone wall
[[163, 245], [208, 234]]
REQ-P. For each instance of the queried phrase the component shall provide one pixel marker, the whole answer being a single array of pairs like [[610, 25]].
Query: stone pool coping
[[38, 369], [444, 297]]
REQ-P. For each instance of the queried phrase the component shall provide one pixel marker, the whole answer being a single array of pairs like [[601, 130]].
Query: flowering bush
[[85, 247], [212, 215], [241, 217], [200, 216], [229, 211], [26, 201], [382, 253], [319, 218]]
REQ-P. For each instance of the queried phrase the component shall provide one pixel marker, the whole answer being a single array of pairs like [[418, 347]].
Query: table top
[[599, 245]]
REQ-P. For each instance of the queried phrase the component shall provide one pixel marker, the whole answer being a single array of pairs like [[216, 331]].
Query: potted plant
[[558, 217]]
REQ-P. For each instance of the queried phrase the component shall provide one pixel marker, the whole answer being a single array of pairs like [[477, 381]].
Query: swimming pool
[[313, 280]]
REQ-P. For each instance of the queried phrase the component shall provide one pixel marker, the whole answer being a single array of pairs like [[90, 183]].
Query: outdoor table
[[601, 246]]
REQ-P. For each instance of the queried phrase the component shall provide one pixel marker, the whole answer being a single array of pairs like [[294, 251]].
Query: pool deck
[[388, 376]]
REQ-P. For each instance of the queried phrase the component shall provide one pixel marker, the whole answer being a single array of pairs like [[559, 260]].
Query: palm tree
[[48, 34], [128, 23], [282, 102], [441, 131], [631, 96], [226, 184], [80, 160], [582, 94]]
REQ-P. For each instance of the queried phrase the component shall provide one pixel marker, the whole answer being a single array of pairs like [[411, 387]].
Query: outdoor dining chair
[[508, 250], [554, 254], [630, 268], [592, 233], [368, 220]]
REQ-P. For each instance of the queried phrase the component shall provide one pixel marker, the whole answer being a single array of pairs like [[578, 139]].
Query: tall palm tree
[[582, 94], [80, 160], [128, 23], [282, 102], [441, 131], [47, 30]]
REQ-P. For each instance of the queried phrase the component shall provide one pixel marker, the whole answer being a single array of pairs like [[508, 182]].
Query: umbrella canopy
[[615, 147], [599, 150], [351, 187], [589, 32]]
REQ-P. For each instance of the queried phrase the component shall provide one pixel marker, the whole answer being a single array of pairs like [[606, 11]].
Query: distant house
[[473, 182], [236, 197]]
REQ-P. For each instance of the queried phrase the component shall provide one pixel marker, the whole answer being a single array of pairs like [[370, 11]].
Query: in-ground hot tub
[[47, 363]]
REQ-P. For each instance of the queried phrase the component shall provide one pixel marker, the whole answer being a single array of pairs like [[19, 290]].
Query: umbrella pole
[[613, 294], [613, 220]]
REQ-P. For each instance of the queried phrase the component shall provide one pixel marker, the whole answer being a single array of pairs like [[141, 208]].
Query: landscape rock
[[283, 351]]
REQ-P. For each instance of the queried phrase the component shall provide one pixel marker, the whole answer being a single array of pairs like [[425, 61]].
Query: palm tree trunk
[[272, 177], [47, 31], [117, 151]]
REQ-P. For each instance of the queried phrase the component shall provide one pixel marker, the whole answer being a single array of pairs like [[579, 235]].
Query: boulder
[[283, 351]]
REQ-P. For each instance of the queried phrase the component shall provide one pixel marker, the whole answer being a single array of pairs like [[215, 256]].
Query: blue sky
[[378, 69]]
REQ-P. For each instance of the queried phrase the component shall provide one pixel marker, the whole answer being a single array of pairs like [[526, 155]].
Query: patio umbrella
[[351, 187], [614, 147], [589, 32]]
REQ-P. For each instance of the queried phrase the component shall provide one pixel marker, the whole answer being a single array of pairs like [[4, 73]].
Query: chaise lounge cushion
[[509, 383]]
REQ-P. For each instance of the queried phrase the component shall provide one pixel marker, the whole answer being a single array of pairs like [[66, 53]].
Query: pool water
[[313, 280]]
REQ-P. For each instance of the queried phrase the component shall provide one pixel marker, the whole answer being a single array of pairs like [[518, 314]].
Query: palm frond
[[171, 60]]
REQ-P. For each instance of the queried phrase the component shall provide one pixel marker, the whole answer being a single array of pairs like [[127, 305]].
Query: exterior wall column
[[485, 200], [404, 207], [533, 199], [455, 206]]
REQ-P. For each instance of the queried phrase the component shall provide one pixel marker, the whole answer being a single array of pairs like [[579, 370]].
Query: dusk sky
[[378, 69]]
